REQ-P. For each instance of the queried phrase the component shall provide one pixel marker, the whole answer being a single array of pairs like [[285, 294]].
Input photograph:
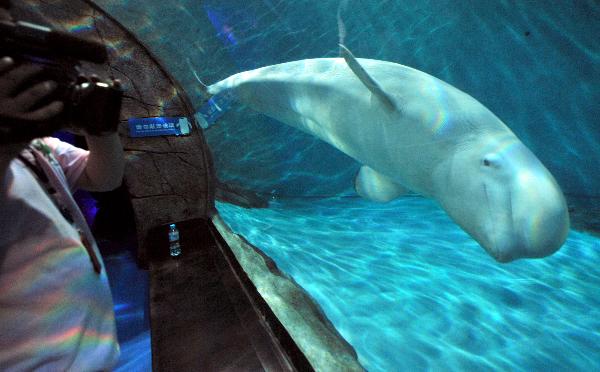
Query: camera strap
[[32, 157], [28, 159]]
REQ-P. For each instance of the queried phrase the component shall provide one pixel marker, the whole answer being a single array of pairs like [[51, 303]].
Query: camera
[[89, 103]]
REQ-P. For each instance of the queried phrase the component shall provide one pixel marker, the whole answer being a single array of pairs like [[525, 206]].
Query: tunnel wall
[[169, 179]]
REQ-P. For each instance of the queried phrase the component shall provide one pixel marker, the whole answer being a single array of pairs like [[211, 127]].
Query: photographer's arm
[[104, 169]]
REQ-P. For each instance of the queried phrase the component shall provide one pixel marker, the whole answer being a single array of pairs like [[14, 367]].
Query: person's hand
[[20, 107]]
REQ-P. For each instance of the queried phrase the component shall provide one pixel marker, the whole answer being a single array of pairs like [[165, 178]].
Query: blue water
[[401, 282], [411, 291], [129, 288], [535, 64]]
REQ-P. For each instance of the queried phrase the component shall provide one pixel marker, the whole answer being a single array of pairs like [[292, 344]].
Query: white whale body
[[414, 132]]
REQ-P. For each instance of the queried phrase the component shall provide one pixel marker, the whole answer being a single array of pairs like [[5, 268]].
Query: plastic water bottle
[[174, 246]]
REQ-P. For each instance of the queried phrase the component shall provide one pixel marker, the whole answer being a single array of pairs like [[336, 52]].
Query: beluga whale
[[411, 131]]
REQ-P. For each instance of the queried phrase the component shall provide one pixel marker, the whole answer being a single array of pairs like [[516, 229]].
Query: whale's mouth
[[501, 251], [492, 245]]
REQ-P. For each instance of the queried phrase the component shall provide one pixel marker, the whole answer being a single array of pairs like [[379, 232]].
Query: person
[[56, 310]]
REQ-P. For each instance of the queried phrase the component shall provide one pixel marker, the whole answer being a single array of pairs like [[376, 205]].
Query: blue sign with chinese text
[[159, 126]]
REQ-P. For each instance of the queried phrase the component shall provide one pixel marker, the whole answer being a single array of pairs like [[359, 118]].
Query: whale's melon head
[[497, 190]]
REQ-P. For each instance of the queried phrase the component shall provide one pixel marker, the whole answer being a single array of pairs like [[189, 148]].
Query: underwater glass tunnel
[[387, 214], [401, 281]]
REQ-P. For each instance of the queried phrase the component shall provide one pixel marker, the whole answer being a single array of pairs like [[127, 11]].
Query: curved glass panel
[[407, 282]]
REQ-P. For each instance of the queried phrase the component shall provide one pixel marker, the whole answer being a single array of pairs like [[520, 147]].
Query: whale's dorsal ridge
[[366, 79]]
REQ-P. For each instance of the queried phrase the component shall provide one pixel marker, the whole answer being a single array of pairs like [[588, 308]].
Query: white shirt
[[56, 312]]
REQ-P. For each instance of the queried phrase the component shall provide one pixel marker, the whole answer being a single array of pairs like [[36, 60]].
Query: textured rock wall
[[168, 178]]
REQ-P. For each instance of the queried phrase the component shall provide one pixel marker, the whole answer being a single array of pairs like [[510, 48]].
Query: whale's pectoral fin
[[374, 186], [366, 79]]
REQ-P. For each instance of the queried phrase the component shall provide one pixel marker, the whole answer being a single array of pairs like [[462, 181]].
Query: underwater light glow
[[525, 177]]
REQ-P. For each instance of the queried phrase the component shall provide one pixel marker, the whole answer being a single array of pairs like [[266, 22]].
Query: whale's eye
[[491, 161]]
